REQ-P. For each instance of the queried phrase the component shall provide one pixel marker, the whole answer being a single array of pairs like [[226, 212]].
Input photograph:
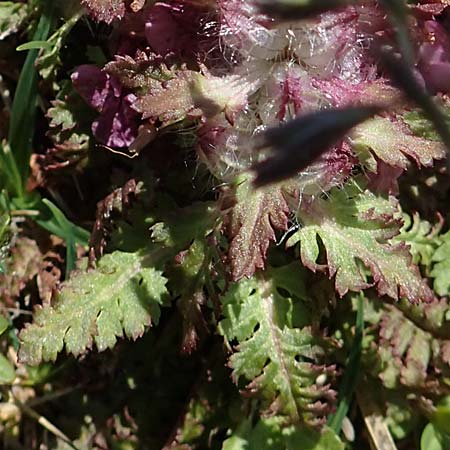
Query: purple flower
[[434, 58], [117, 123]]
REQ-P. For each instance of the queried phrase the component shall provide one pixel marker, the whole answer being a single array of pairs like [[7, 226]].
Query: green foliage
[[7, 370], [252, 223], [280, 361], [15, 155], [246, 344], [422, 238], [392, 144], [441, 267], [412, 342], [12, 16], [356, 227], [270, 434], [420, 126], [54, 221], [49, 60], [433, 439], [4, 239], [352, 371], [122, 296], [23, 112]]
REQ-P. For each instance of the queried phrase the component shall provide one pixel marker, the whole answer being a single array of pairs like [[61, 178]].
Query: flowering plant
[[266, 187]]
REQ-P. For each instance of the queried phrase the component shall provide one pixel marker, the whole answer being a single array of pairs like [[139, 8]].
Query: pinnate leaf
[[122, 296], [280, 361], [422, 238], [356, 227], [413, 346], [441, 268], [412, 350]]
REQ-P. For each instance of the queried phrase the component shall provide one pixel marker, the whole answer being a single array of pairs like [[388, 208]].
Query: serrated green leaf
[[392, 144], [356, 227], [412, 345], [122, 296], [251, 227], [276, 359]]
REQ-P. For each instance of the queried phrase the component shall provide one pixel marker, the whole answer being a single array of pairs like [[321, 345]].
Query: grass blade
[[12, 180], [21, 127], [351, 374], [53, 220]]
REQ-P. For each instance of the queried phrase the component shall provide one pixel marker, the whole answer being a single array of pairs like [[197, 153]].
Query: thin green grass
[[54, 221], [23, 114], [15, 156], [351, 374]]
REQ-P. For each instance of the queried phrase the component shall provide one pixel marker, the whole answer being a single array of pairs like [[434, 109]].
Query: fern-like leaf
[[122, 296], [441, 268], [407, 346], [422, 238], [413, 346], [280, 361]]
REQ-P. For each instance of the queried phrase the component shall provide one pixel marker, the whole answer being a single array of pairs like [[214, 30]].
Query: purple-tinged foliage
[[266, 74], [198, 93]]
